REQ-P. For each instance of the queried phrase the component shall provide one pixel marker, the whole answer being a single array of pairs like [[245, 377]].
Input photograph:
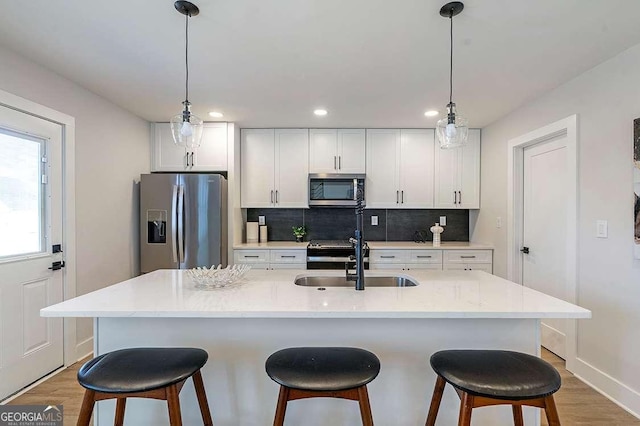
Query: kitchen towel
[[252, 232]]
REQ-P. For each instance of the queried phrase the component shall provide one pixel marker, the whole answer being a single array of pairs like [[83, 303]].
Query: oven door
[[333, 190]]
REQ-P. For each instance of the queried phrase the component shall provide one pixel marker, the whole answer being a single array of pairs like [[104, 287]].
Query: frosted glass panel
[[21, 195]]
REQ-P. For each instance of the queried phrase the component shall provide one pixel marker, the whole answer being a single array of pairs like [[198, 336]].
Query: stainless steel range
[[332, 254]]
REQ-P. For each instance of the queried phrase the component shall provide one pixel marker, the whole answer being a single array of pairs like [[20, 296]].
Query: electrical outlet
[[374, 220], [498, 222], [262, 220], [602, 230], [443, 221]]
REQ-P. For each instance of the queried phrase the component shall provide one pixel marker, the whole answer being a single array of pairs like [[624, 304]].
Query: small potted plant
[[299, 232]]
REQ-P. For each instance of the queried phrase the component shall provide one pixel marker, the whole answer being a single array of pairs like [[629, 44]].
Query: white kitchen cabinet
[[210, 156], [337, 151], [435, 259], [274, 168], [457, 175], [468, 260], [400, 169], [272, 259]]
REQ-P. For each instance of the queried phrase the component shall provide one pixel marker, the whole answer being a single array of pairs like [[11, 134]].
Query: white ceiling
[[371, 63]]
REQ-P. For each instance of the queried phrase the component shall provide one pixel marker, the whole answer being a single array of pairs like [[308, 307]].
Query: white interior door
[[544, 268], [30, 223]]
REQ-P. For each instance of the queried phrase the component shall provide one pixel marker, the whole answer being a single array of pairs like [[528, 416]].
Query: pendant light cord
[[451, 59], [186, 58]]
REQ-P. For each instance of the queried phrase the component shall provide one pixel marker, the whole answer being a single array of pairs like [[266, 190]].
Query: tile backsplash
[[340, 224]]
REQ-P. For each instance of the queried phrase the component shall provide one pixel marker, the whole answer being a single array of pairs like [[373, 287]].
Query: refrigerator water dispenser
[[156, 226]]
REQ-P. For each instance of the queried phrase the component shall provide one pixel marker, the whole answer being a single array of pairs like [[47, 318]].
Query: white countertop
[[272, 294], [398, 245]]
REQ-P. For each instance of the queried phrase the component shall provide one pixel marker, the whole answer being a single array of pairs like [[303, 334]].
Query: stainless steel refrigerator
[[183, 221]]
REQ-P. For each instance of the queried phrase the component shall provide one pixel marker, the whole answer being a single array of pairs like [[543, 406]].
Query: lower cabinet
[[435, 259], [271, 258]]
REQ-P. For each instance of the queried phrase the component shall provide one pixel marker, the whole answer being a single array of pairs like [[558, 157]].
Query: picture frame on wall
[[636, 186]]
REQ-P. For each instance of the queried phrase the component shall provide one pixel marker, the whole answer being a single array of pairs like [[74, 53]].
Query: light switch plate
[[262, 220], [374, 220], [602, 230], [443, 221], [498, 222]]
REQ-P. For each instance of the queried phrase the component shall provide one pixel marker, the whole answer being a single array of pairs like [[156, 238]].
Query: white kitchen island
[[242, 325]]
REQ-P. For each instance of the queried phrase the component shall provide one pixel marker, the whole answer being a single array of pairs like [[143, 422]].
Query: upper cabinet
[[337, 151], [400, 172], [457, 175], [211, 156], [274, 168]]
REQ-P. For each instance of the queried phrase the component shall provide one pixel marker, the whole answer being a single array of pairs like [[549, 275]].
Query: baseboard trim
[[614, 390], [84, 349]]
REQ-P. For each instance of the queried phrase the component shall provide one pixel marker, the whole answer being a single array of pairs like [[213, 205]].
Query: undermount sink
[[322, 281]]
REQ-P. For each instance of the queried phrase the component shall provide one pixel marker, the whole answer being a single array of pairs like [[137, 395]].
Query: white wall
[[606, 99], [112, 149]]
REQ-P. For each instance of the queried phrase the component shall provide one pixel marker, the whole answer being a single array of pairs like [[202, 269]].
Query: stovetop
[[329, 244]]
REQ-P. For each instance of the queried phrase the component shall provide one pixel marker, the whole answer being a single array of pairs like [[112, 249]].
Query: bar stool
[[157, 373], [316, 372], [490, 377]]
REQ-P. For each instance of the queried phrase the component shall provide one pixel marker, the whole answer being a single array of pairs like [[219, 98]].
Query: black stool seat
[[322, 369], [140, 369], [497, 374]]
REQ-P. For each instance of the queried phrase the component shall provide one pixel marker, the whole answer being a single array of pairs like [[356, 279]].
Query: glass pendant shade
[[453, 130], [187, 130]]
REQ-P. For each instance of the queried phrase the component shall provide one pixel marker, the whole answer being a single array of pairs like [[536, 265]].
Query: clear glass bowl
[[217, 277]]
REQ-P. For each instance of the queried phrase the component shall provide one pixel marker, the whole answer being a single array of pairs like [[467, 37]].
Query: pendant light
[[186, 127], [452, 130]]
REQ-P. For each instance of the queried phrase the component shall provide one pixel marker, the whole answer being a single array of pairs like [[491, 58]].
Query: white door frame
[[565, 127], [68, 124]]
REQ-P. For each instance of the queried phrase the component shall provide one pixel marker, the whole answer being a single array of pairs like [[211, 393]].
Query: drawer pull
[[467, 257], [387, 257], [290, 257], [424, 257], [252, 256]]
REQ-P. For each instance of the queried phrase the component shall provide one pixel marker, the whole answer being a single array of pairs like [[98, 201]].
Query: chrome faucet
[[358, 245]]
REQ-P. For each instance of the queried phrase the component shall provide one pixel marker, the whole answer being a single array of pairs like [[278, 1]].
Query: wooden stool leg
[[87, 408], [365, 407], [551, 411], [283, 397], [517, 415], [466, 405], [120, 406], [202, 399], [435, 401], [173, 401]]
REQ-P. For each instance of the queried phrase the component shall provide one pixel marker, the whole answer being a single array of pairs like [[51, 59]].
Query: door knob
[[525, 250]]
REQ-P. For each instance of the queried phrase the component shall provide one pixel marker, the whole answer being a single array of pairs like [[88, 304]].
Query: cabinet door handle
[[192, 163], [335, 162], [287, 257], [459, 196], [402, 197], [424, 257], [272, 196], [397, 196], [467, 257], [247, 256], [339, 162], [186, 157], [277, 197], [387, 257], [455, 198]]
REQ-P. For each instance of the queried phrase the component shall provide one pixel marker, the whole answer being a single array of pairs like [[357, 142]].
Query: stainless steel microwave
[[334, 190]]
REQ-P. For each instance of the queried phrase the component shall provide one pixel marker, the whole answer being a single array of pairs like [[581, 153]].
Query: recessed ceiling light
[[216, 114], [431, 113], [320, 112]]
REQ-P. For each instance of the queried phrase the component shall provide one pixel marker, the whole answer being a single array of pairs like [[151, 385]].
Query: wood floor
[[577, 403]]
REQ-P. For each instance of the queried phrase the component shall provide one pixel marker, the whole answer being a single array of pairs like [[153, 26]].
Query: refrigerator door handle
[[174, 212], [181, 223]]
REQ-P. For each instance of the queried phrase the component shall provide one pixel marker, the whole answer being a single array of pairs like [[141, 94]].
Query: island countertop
[[272, 294]]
